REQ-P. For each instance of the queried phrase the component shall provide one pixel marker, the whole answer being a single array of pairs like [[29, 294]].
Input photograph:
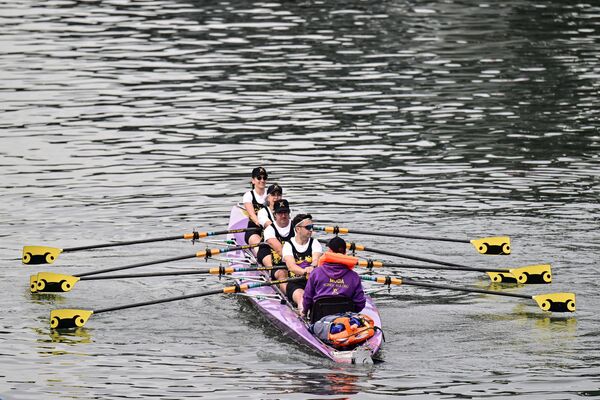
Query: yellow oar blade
[[33, 283], [69, 318], [541, 273], [556, 302], [492, 245], [502, 277], [40, 254], [529, 274], [52, 282]]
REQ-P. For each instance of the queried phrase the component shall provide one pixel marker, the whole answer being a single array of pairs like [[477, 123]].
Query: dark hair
[[337, 245], [298, 218]]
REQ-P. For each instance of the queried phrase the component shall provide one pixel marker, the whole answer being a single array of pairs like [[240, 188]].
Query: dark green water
[[128, 119]]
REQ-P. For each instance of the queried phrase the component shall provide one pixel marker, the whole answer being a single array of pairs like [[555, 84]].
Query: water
[[123, 120]]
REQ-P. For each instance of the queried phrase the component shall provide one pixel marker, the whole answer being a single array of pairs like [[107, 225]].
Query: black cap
[[274, 188], [337, 245], [281, 206], [258, 171]]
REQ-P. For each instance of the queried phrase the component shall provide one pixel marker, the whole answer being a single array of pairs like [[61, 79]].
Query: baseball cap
[[258, 171], [274, 188], [281, 206]]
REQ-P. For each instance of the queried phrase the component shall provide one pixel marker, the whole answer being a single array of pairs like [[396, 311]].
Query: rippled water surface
[[135, 119]]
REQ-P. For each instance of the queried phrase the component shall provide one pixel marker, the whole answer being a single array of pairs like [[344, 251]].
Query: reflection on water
[[123, 120]]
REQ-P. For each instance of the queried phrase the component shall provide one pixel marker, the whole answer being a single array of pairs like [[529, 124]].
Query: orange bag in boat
[[345, 330]]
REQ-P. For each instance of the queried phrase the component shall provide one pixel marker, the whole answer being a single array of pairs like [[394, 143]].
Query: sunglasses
[[307, 227], [261, 178]]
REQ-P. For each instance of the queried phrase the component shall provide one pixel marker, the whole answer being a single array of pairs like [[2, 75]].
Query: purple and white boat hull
[[274, 306]]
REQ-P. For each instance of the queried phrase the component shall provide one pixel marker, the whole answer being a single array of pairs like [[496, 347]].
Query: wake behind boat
[[275, 306]]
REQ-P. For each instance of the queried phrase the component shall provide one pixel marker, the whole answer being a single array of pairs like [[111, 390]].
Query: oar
[[68, 281], [528, 274], [497, 275], [488, 245], [52, 282], [47, 255], [556, 302], [72, 318]]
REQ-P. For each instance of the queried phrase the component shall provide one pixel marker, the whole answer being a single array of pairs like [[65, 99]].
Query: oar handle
[[337, 230], [197, 235]]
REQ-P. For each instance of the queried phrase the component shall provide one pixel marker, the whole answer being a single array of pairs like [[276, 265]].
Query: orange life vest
[[337, 258], [344, 331]]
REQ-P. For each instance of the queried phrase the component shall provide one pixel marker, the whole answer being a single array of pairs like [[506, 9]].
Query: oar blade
[[69, 318], [530, 274], [494, 245], [53, 282], [33, 283], [541, 273], [40, 254], [556, 302], [502, 277]]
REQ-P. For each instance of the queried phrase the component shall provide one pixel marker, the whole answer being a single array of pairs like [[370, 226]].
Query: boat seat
[[329, 305]]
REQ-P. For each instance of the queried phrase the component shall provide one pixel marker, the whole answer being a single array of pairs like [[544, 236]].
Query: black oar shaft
[[446, 268], [399, 235], [428, 260], [462, 289], [230, 289], [194, 236], [151, 302], [127, 243], [207, 253], [146, 275], [136, 265], [215, 271], [336, 230]]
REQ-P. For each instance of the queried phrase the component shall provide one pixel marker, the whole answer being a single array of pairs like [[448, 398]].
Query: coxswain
[[335, 277]]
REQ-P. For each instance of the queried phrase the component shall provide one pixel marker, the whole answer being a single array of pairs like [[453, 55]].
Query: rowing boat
[[273, 304]]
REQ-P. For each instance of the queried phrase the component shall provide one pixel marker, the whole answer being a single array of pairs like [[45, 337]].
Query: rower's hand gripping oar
[[488, 245], [52, 282], [555, 302], [528, 274], [67, 282], [73, 318], [47, 255]]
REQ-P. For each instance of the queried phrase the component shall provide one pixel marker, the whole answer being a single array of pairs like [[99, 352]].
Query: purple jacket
[[334, 279]]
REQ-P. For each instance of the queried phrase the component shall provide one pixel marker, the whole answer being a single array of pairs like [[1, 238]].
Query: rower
[[334, 287], [254, 200], [270, 252], [265, 214], [301, 254]]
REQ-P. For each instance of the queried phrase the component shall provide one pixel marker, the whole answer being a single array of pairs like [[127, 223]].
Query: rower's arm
[[275, 245], [251, 214], [290, 262]]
